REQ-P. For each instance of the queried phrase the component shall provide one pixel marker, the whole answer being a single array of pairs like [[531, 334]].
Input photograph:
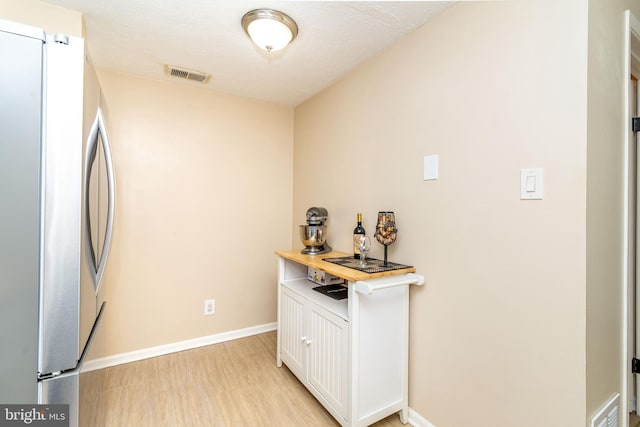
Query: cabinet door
[[328, 370], [293, 340]]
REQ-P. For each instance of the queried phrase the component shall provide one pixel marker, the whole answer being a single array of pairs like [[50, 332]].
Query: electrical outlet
[[209, 306]]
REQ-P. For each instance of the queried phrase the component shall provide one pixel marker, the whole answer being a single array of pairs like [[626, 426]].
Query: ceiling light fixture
[[269, 29]]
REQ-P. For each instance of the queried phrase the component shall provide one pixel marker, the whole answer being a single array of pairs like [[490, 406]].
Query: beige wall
[[605, 275], [498, 331], [52, 19], [203, 200]]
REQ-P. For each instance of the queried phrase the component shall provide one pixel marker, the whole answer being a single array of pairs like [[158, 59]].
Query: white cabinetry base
[[352, 354]]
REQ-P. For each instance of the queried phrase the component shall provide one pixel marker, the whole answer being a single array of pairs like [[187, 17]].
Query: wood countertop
[[350, 274]]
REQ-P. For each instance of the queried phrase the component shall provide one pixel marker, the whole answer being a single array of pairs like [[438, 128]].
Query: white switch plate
[[431, 167], [531, 184], [209, 306]]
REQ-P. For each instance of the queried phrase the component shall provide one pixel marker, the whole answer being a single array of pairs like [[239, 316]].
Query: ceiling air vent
[[185, 73]]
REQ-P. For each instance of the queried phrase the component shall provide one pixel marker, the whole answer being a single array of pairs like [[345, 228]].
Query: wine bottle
[[357, 232]]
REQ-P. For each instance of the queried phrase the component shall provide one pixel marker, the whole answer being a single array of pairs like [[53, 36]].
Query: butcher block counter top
[[350, 274]]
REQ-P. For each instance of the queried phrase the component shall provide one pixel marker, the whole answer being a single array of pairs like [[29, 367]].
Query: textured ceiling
[[140, 36]]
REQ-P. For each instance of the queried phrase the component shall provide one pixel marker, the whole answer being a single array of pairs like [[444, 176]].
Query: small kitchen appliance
[[314, 233]]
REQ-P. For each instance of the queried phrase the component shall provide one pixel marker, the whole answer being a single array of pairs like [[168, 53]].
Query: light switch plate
[[431, 167], [531, 184]]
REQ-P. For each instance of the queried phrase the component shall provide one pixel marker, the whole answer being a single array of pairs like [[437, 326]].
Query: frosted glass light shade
[[269, 29], [269, 35]]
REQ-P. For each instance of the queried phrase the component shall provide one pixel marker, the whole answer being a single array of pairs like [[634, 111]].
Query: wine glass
[[364, 245], [386, 231]]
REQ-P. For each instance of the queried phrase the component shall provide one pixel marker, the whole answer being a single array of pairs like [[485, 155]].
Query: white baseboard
[[133, 356], [418, 420]]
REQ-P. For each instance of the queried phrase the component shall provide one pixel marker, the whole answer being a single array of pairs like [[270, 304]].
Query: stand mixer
[[314, 233]]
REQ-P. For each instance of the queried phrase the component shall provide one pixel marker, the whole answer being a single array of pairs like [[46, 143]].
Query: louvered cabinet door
[[328, 366], [292, 333]]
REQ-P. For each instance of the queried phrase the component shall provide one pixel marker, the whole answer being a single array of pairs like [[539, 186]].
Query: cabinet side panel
[[381, 350]]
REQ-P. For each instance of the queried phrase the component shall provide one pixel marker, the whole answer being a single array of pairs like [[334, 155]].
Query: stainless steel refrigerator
[[56, 214]]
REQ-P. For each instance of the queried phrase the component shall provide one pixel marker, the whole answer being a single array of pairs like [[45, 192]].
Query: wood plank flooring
[[231, 384]]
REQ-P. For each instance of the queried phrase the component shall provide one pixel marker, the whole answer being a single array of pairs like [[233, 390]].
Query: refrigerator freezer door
[[63, 389], [20, 155]]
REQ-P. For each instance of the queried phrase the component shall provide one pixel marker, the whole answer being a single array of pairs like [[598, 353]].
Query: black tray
[[333, 291], [373, 265]]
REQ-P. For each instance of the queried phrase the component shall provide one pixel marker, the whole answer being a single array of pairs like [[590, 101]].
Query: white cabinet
[[351, 354], [314, 345], [293, 335]]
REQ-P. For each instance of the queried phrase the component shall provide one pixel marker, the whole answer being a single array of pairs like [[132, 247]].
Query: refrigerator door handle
[[98, 130], [90, 157], [108, 234]]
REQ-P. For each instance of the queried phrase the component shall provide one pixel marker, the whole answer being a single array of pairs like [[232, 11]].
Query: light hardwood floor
[[231, 384]]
